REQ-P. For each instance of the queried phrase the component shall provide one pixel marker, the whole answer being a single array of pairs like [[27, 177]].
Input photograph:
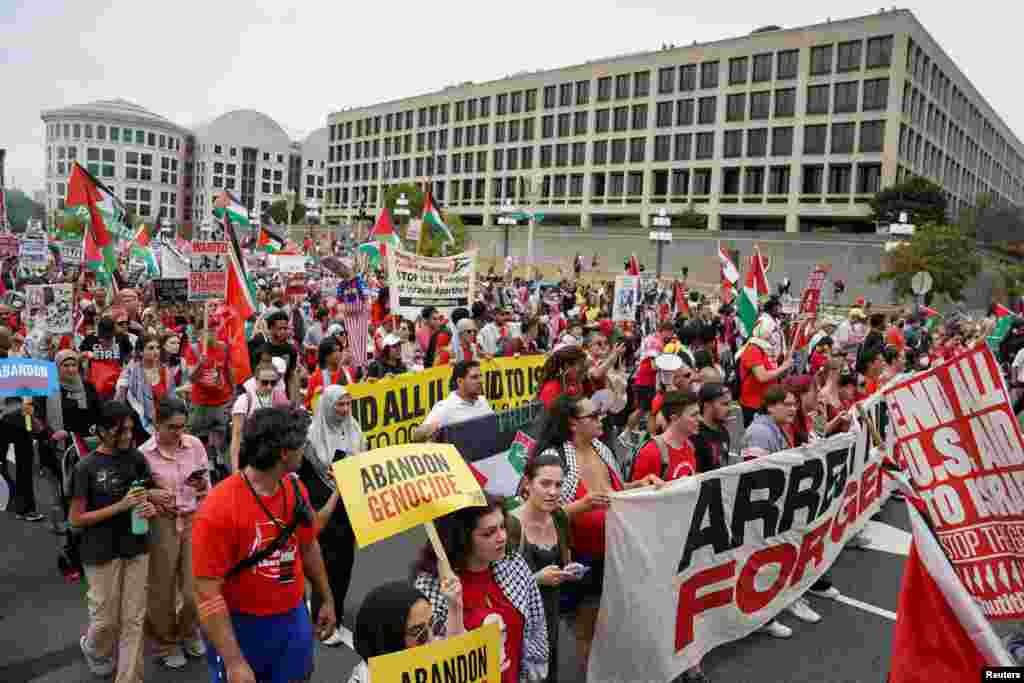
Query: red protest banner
[[812, 291], [208, 277], [958, 440]]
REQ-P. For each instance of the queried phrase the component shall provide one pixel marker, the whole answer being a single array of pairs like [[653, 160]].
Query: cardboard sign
[[416, 281], [33, 253], [170, 290], [625, 302], [812, 292], [473, 657], [959, 441], [27, 377], [389, 490], [413, 230], [71, 252], [208, 277]]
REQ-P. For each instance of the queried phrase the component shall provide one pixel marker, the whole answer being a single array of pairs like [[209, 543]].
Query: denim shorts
[[278, 648]]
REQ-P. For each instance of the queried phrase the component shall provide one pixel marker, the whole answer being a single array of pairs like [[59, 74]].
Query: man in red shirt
[[670, 455], [213, 392], [254, 540], [758, 369]]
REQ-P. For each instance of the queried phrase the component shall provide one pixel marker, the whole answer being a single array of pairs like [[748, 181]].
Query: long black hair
[[554, 428], [456, 533], [380, 623]]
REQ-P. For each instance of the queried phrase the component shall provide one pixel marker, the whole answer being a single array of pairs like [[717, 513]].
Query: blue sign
[[27, 377]]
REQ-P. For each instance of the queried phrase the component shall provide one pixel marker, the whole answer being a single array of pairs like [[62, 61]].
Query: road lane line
[[866, 607]]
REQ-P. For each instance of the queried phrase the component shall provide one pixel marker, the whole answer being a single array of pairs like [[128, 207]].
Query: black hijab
[[380, 624]]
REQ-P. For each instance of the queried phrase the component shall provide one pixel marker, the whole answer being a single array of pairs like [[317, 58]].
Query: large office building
[[166, 171], [781, 129], [139, 154]]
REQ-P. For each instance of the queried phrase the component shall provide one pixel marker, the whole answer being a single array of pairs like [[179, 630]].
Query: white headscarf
[[329, 433]]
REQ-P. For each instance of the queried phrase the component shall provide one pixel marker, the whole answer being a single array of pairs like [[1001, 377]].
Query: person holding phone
[[181, 471], [334, 434]]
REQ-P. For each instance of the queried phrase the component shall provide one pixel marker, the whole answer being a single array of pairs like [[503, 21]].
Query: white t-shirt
[[242, 407], [455, 409]]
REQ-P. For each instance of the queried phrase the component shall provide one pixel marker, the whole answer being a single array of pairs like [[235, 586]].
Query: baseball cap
[[712, 391]]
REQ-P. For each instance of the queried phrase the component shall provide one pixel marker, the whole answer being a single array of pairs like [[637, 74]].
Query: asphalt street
[[42, 618]]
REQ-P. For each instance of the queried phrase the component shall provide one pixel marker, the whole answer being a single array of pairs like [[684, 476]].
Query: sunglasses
[[597, 415], [420, 633], [267, 382]]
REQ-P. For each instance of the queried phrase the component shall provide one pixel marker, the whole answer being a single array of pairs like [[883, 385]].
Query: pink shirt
[[171, 469]]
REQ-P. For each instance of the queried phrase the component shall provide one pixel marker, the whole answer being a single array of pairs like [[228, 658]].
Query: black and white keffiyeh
[[571, 480], [517, 582]]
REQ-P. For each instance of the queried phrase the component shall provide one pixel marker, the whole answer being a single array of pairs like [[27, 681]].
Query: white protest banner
[[709, 559], [208, 277], [417, 281], [625, 302], [52, 305], [33, 252], [958, 440], [291, 263], [173, 263], [71, 252]]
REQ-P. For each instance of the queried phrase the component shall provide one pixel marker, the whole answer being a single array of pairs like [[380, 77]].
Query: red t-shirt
[[645, 373], [588, 527], [752, 391], [218, 391], [659, 400], [552, 389], [230, 526], [482, 600], [682, 461]]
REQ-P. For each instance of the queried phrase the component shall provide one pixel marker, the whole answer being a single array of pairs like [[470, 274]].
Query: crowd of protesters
[[197, 504]]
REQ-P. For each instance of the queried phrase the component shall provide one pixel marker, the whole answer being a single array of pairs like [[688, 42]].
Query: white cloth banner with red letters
[[709, 559]]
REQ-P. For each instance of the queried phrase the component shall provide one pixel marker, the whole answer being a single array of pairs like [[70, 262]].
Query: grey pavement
[[41, 619]]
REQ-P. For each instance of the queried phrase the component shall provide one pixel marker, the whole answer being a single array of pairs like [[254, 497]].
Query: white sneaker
[[175, 661], [776, 629], [831, 593], [194, 647], [340, 636], [99, 666], [802, 611]]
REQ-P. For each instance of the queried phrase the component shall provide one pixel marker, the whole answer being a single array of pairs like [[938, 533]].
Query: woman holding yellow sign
[[497, 587]]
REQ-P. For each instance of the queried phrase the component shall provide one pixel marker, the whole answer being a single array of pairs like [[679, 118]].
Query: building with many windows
[[139, 154], [162, 170], [782, 129], [314, 166]]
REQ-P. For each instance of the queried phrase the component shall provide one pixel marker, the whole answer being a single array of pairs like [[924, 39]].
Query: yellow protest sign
[[388, 410], [473, 657], [389, 490]]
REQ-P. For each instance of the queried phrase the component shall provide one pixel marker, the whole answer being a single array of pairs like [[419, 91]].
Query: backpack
[[662, 450]]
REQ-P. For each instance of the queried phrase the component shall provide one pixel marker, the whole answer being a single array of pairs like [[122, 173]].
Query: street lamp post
[[660, 237], [533, 192], [506, 219]]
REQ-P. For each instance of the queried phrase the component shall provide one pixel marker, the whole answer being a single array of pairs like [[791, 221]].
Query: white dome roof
[[315, 145], [244, 128], [117, 110]]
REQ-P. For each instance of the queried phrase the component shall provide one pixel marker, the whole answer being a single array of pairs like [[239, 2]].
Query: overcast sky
[[193, 60]]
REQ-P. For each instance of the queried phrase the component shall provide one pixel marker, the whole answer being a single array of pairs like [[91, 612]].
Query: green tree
[[946, 251], [921, 198], [20, 208], [412, 193], [279, 212], [434, 244], [1012, 274]]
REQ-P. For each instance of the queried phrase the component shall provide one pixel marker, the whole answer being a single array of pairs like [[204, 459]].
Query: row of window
[[850, 56], [233, 153], [120, 134], [678, 147]]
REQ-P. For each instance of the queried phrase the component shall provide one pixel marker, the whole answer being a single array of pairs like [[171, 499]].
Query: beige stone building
[[783, 129]]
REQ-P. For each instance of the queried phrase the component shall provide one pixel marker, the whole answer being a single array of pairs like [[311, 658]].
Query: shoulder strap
[[663, 451], [277, 543]]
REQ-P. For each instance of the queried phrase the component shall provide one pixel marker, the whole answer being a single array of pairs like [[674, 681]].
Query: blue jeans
[[278, 647]]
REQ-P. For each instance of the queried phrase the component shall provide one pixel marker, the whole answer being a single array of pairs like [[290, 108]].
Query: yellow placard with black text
[[389, 490], [473, 657], [389, 409]]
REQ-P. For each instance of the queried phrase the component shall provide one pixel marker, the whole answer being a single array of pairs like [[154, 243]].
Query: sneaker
[[175, 661], [823, 588], [777, 630], [694, 675], [802, 611], [859, 540], [194, 647], [30, 517], [99, 666], [341, 635]]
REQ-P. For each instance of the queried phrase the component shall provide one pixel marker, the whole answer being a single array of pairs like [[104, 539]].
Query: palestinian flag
[[384, 232], [633, 265], [940, 633], [729, 275], [1001, 311], [757, 278], [142, 251], [432, 219], [373, 252], [746, 310], [227, 203], [269, 242], [94, 203], [241, 294]]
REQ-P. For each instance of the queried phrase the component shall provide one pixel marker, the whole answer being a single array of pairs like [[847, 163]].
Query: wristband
[[211, 606]]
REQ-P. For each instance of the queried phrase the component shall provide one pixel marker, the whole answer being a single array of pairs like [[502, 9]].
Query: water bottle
[[140, 525]]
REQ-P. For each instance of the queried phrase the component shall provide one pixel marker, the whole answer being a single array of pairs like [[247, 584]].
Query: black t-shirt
[[120, 351], [103, 479], [379, 370], [711, 447]]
